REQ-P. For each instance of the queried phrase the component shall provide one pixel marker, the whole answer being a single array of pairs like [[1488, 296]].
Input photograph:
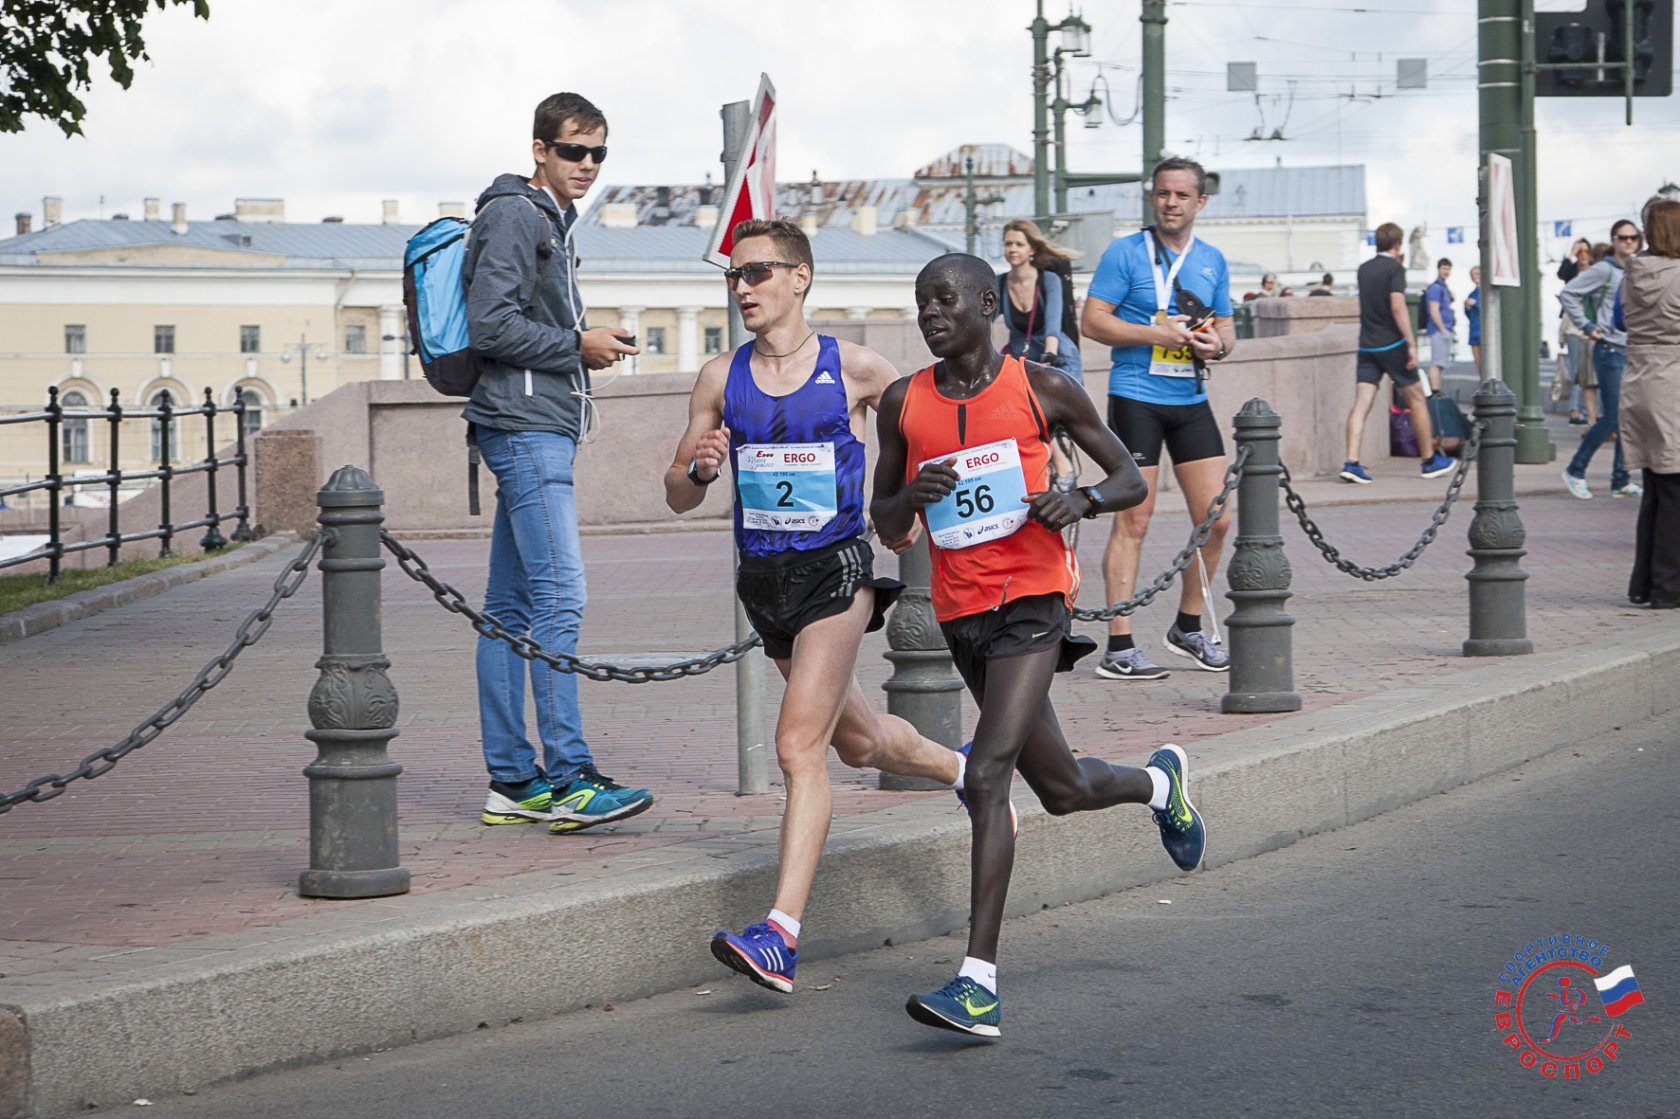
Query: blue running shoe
[[962, 1005], [592, 799], [525, 803], [1014, 817], [760, 954], [1183, 833]]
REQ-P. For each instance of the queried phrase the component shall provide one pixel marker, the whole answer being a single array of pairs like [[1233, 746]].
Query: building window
[[355, 339], [714, 339], [75, 428], [155, 403], [252, 421], [163, 339], [75, 338], [656, 340], [250, 339]]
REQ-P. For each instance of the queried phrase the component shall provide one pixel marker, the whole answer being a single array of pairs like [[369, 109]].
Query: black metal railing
[[55, 484]]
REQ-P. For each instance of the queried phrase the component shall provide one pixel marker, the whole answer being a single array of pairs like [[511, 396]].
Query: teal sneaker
[[962, 1005], [526, 803], [593, 799], [1183, 833]]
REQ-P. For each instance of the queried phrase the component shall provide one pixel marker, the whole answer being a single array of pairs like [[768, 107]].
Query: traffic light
[[1597, 36]]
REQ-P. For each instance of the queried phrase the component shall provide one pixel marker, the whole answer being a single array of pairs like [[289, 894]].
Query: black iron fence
[[56, 485]]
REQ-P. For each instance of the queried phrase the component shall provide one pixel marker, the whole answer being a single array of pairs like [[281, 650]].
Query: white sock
[[784, 922], [983, 972], [1163, 786], [962, 772]]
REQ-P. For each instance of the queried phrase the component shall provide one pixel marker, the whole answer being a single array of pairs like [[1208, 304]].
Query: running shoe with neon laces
[[962, 1005], [1014, 817], [760, 954], [592, 799], [1200, 648], [1436, 465], [1129, 664], [524, 803], [1183, 833]]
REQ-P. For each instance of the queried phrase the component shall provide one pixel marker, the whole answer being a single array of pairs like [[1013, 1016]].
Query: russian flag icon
[[1619, 991]]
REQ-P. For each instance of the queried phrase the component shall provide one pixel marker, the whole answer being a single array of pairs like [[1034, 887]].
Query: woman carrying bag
[[1034, 304]]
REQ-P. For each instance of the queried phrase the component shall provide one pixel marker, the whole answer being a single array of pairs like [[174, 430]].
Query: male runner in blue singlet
[[787, 411]]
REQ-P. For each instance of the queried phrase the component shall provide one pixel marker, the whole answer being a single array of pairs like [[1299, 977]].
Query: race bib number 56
[[786, 487], [986, 505]]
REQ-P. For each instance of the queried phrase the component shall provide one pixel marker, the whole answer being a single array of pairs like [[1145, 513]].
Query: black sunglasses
[[755, 273], [574, 153]]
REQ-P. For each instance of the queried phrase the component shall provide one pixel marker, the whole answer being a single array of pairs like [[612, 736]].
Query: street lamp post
[[302, 347], [1058, 113], [971, 206], [1075, 41]]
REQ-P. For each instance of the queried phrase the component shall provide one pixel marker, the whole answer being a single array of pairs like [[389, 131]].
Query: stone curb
[[43, 616], [409, 969]]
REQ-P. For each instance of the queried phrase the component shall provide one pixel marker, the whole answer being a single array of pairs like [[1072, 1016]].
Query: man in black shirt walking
[[1386, 346]]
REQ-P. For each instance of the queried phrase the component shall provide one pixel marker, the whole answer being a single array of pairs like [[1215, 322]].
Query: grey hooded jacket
[[524, 312], [1602, 279]]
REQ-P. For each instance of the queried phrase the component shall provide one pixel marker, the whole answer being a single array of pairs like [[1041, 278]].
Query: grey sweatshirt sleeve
[[506, 235], [1584, 284]]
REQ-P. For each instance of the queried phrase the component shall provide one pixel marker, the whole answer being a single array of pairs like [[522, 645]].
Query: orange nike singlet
[[1030, 559]]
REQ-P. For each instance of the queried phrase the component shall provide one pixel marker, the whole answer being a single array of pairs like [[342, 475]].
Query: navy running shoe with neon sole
[[1183, 833], [760, 954], [961, 1005], [592, 799], [1014, 816]]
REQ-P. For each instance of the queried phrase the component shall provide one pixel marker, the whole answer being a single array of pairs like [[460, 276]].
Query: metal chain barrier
[[1198, 537], [1369, 574], [456, 603], [100, 762]]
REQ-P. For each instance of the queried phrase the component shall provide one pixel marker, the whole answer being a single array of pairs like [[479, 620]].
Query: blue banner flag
[[1455, 235], [1563, 229]]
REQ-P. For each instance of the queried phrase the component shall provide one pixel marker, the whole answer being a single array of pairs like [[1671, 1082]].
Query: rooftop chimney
[[23, 221], [452, 209], [52, 212], [863, 221], [151, 208], [259, 209], [617, 215], [390, 214], [706, 216], [808, 223], [178, 222]]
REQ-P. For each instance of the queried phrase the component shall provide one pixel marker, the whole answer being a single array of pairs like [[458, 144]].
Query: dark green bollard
[[1262, 676], [1498, 619]]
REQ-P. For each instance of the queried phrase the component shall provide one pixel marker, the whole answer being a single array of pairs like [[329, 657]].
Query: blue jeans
[[536, 587], [1608, 363]]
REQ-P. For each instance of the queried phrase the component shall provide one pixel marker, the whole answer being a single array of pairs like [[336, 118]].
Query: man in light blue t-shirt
[[1162, 300]]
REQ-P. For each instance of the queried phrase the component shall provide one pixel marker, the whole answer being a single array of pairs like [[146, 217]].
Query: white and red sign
[[1502, 223], [751, 191]]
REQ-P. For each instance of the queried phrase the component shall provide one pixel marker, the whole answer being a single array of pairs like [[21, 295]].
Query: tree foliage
[[48, 49]]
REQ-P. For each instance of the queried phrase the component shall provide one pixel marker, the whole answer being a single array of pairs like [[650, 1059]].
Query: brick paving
[[202, 833]]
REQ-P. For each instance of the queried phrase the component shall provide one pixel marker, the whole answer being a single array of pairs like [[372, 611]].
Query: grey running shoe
[[1631, 489], [1129, 664], [1200, 648]]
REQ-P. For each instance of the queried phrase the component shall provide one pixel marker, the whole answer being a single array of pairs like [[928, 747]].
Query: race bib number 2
[[986, 505], [786, 487]]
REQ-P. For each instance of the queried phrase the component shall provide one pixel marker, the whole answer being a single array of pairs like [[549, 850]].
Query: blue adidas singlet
[[798, 468]]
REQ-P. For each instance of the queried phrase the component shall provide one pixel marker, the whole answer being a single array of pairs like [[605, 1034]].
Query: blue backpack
[[437, 305]]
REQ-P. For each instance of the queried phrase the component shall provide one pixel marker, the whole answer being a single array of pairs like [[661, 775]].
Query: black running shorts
[[1189, 431], [1373, 364], [788, 591], [1018, 627]]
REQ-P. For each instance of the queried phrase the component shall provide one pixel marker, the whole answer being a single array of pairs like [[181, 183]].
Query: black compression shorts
[[788, 591], [1189, 431]]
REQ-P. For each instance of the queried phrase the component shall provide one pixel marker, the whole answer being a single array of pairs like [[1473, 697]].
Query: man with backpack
[[528, 411]]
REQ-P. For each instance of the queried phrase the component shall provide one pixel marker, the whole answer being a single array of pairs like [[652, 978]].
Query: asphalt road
[[1349, 975]]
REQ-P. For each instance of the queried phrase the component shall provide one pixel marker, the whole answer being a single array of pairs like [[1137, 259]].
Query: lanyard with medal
[[1167, 287]]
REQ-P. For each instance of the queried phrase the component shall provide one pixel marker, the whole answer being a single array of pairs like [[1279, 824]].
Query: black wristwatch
[[1094, 496], [694, 474]]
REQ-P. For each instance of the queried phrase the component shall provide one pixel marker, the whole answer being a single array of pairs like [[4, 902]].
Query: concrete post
[[688, 339], [1262, 676], [924, 690], [1498, 621], [392, 334], [353, 708]]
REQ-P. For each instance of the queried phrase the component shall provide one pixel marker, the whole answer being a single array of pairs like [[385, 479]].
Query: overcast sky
[[334, 105]]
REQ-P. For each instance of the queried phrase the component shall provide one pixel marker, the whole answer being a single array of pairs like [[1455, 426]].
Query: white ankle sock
[[1163, 786], [785, 923], [962, 772], [983, 972]]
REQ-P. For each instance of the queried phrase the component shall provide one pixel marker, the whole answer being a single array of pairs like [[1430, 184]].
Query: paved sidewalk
[[186, 855]]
